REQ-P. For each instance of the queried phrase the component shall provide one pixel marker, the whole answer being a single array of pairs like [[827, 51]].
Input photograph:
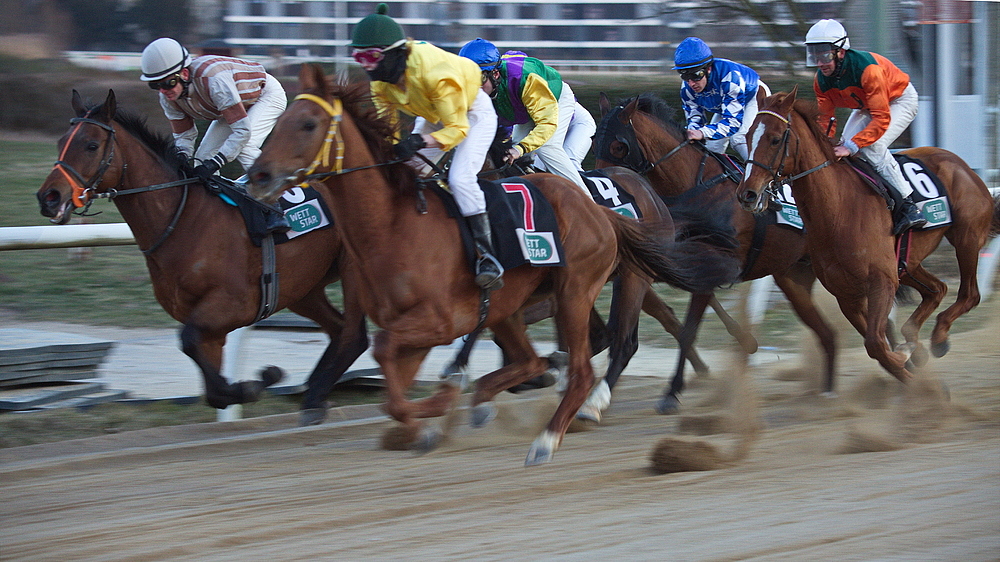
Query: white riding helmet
[[825, 32], [163, 57]]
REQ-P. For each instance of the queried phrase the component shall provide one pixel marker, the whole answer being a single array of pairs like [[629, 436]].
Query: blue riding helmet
[[692, 53], [482, 52]]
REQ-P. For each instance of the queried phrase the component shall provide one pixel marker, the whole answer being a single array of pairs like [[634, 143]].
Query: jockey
[[548, 121], [442, 90], [720, 86], [882, 100], [242, 101]]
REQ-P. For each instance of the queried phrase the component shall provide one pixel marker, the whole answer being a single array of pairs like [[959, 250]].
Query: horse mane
[[650, 103], [160, 143], [808, 111], [377, 130]]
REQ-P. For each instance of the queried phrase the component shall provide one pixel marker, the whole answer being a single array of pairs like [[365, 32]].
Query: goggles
[[693, 75], [821, 53], [166, 83], [369, 56]]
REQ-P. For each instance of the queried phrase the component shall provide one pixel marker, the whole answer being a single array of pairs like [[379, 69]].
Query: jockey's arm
[[181, 126], [876, 86], [239, 124], [452, 111], [543, 108]]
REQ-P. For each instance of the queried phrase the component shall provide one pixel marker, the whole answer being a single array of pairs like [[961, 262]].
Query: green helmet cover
[[377, 30]]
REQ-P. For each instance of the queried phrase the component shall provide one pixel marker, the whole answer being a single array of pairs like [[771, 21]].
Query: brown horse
[[848, 230], [632, 292], [413, 279], [641, 134], [204, 268]]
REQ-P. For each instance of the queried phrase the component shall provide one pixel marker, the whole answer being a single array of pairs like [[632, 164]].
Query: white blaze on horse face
[[757, 134]]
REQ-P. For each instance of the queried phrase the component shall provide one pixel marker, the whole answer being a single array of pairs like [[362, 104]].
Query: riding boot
[[488, 269], [909, 216]]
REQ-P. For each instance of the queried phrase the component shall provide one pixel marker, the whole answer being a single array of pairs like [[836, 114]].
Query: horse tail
[[690, 264]]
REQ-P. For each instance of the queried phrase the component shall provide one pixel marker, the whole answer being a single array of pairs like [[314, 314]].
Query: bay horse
[[848, 229], [640, 133], [205, 271], [413, 279], [632, 291]]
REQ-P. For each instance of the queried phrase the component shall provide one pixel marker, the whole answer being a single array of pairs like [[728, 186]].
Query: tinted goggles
[[369, 56], [822, 53], [693, 75], [166, 83]]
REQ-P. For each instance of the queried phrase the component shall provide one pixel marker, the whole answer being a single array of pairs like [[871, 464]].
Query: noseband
[[83, 190]]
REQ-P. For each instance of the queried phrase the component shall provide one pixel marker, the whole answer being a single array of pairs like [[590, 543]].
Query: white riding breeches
[[902, 110], [470, 154], [262, 116], [580, 136], [739, 139], [552, 156]]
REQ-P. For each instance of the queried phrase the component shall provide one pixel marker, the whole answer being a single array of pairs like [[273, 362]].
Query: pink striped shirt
[[218, 86]]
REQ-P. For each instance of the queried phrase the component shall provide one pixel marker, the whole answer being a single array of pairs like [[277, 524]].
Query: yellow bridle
[[335, 112]]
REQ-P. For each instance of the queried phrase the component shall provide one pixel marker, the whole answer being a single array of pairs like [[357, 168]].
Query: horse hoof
[[427, 440], [939, 349], [483, 414], [542, 449], [919, 356], [271, 375], [248, 391], [589, 414], [668, 405], [312, 416]]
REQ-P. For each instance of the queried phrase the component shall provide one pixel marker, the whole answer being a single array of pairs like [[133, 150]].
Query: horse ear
[[786, 102], [108, 108], [306, 81], [605, 104], [78, 106], [626, 115], [794, 92]]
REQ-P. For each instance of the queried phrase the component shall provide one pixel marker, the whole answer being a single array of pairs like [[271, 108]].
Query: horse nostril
[[260, 176], [749, 196]]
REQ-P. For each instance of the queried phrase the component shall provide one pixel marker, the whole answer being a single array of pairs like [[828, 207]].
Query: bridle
[[85, 192], [778, 179], [634, 159]]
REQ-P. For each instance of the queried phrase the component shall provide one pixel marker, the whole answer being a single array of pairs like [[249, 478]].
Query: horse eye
[[775, 141], [309, 126], [92, 146]]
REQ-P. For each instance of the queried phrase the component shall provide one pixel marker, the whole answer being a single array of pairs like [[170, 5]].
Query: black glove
[[207, 168], [406, 148]]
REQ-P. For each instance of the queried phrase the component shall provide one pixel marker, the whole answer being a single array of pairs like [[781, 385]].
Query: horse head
[[615, 142], [770, 137], [306, 128], [86, 163]]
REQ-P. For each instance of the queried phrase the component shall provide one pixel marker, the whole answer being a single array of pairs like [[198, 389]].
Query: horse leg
[[523, 363], [348, 340], [932, 291], [735, 329], [869, 316], [655, 307], [399, 366], [797, 284], [206, 352], [629, 290], [670, 403], [968, 297], [571, 316]]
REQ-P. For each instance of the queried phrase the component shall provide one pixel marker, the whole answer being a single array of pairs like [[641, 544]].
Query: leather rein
[[778, 180]]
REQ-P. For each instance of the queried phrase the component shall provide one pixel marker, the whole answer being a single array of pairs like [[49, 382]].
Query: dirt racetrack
[[882, 472]]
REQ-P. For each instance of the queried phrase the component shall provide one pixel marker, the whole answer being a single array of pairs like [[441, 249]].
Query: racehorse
[[413, 279], [632, 291], [640, 133], [205, 270], [848, 230]]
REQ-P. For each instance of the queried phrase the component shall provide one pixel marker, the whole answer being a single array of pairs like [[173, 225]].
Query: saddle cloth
[[608, 193], [304, 209], [522, 222], [929, 192]]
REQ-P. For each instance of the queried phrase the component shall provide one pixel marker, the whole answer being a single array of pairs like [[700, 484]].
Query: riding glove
[[208, 167], [406, 148]]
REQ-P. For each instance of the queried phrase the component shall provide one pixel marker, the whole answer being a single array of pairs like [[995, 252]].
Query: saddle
[[304, 209]]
